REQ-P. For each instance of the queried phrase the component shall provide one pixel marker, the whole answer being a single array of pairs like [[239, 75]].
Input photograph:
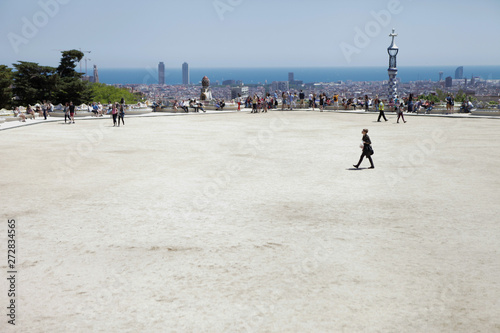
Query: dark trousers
[[120, 116], [381, 114], [45, 114], [66, 116], [363, 156], [401, 115], [114, 118]]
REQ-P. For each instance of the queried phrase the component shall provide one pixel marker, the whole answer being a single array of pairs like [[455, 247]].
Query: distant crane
[[85, 61]]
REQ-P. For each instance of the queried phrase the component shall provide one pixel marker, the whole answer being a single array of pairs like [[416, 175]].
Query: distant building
[[185, 73], [239, 82], [448, 82], [291, 77], [228, 82], [96, 75], [280, 85], [441, 76], [161, 73], [459, 73], [243, 91]]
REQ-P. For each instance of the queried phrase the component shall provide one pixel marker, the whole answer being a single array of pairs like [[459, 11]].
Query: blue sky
[[251, 33]]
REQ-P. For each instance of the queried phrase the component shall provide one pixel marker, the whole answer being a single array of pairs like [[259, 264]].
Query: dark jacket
[[367, 142]]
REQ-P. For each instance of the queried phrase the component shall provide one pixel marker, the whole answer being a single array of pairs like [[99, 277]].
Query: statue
[[206, 93]]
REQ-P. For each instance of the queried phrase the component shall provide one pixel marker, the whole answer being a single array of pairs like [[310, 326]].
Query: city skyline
[[351, 34]]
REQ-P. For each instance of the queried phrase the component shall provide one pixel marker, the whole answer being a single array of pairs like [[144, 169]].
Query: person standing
[[48, 109], [66, 112], [114, 113], [290, 101], [381, 111], [238, 100], [302, 97], [44, 110], [366, 103], [71, 112], [283, 100], [321, 102], [265, 104], [400, 112], [121, 115], [367, 150], [255, 100]]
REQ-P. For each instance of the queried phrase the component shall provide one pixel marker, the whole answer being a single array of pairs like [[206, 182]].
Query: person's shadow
[[356, 169]]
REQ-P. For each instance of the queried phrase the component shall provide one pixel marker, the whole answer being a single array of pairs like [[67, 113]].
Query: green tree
[[429, 97], [70, 86], [5, 86], [104, 94], [33, 83], [441, 95]]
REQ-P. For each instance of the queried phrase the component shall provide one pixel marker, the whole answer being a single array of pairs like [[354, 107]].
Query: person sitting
[[217, 105], [430, 106], [174, 105], [20, 115], [194, 105], [183, 106], [466, 107], [30, 113], [200, 107], [38, 110], [95, 109]]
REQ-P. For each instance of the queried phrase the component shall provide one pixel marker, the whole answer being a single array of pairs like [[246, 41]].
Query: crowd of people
[[289, 100]]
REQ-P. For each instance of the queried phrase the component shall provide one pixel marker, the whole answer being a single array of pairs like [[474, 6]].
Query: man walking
[[381, 111]]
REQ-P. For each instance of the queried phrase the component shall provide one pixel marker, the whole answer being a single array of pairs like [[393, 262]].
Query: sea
[[173, 76]]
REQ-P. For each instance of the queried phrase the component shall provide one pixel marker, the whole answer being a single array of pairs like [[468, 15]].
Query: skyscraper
[[441, 76], [449, 82], [96, 75], [161, 73], [185, 73], [459, 73], [291, 77]]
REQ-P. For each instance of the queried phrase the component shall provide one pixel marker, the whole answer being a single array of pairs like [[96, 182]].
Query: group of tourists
[[192, 103], [42, 111]]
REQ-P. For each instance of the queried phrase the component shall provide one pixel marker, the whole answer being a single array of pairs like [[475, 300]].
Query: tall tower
[[161, 73], [393, 69], [459, 73], [185, 73], [291, 77], [96, 74], [441, 76]]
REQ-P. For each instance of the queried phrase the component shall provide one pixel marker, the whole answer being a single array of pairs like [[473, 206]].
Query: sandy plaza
[[245, 222]]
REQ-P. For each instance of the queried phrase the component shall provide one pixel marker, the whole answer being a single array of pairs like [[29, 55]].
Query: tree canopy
[[33, 83], [5, 86], [104, 94]]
